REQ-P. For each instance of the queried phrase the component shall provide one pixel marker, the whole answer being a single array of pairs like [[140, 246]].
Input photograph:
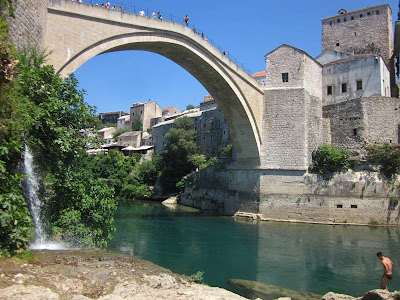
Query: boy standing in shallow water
[[388, 267]]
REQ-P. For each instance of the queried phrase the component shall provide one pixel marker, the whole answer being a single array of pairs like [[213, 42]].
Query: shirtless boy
[[388, 267]]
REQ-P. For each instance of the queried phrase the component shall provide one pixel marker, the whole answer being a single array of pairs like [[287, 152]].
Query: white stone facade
[[355, 77]]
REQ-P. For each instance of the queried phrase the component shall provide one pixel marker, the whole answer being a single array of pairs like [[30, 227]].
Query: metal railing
[[132, 9]]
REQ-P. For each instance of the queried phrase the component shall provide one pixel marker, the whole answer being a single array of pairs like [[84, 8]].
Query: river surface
[[310, 258]]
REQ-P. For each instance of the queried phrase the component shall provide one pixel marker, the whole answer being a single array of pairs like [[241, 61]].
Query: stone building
[[364, 31], [124, 122], [355, 76], [210, 125], [260, 77], [342, 96], [293, 123], [132, 138], [171, 110], [111, 117], [144, 112]]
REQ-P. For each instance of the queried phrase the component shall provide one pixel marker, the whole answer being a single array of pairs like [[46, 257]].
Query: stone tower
[[365, 31]]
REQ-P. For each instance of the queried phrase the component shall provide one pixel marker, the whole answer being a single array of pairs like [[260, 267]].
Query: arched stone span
[[77, 32]]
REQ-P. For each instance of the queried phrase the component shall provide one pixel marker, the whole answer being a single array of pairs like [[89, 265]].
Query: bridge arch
[[78, 32]]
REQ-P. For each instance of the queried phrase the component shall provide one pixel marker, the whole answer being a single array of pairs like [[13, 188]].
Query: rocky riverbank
[[95, 274]]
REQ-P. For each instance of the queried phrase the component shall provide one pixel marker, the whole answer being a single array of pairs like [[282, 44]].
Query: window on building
[[330, 22], [338, 21], [344, 87], [337, 44], [361, 15], [368, 13], [285, 77], [377, 12], [353, 206], [355, 132], [359, 85], [355, 33], [329, 90], [352, 18], [344, 20], [339, 205]]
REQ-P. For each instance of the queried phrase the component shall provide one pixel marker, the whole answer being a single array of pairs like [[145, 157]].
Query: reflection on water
[[309, 258]]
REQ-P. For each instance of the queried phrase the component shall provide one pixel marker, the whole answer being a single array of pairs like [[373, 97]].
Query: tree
[[174, 161], [388, 157], [15, 220], [329, 159], [78, 203], [190, 106], [138, 126]]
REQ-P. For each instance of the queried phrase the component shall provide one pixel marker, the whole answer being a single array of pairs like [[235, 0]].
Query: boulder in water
[[267, 291]]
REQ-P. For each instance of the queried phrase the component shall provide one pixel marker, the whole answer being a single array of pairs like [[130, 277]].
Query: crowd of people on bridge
[[154, 15]]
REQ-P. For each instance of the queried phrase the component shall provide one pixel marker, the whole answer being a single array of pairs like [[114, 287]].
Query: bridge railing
[[132, 9]]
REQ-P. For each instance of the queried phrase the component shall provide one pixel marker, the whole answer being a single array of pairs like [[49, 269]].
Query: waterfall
[[31, 192]]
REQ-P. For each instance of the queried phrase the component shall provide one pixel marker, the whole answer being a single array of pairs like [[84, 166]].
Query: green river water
[[302, 257]]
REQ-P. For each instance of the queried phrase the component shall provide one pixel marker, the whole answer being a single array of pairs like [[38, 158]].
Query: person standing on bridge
[[159, 15], [186, 20], [141, 13]]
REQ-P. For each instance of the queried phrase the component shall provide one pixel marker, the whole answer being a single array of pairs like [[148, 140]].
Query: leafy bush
[[82, 207], [329, 159], [197, 277], [174, 159], [227, 152], [393, 202], [138, 126], [131, 191], [118, 132], [387, 157]]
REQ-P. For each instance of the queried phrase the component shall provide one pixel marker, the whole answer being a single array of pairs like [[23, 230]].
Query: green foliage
[[387, 157], [82, 206], [100, 125], [190, 106], [197, 277], [79, 204], [373, 222], [227, 152], [329, 159], [147, 172], [15, 219], [138, 126], [135, 191], [114, 168], [25, 256], [397, 296], [174, 162], [393, 202], [118, 132]]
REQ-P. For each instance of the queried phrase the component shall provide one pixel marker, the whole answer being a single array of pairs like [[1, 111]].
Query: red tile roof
[[169, 108], [259, 74]]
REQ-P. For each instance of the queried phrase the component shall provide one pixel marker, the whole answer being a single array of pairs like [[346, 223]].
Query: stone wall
[[296, 196], [364, 31], [285, 134], [292, 109], [27, 29], [356, 123]]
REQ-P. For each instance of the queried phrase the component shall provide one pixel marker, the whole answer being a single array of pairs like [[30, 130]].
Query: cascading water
[[31, 191]]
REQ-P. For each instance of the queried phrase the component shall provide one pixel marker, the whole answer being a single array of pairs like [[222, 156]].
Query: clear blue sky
[[247, 30]]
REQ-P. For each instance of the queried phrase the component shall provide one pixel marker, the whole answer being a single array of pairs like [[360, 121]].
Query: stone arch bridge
[[76, 32]]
